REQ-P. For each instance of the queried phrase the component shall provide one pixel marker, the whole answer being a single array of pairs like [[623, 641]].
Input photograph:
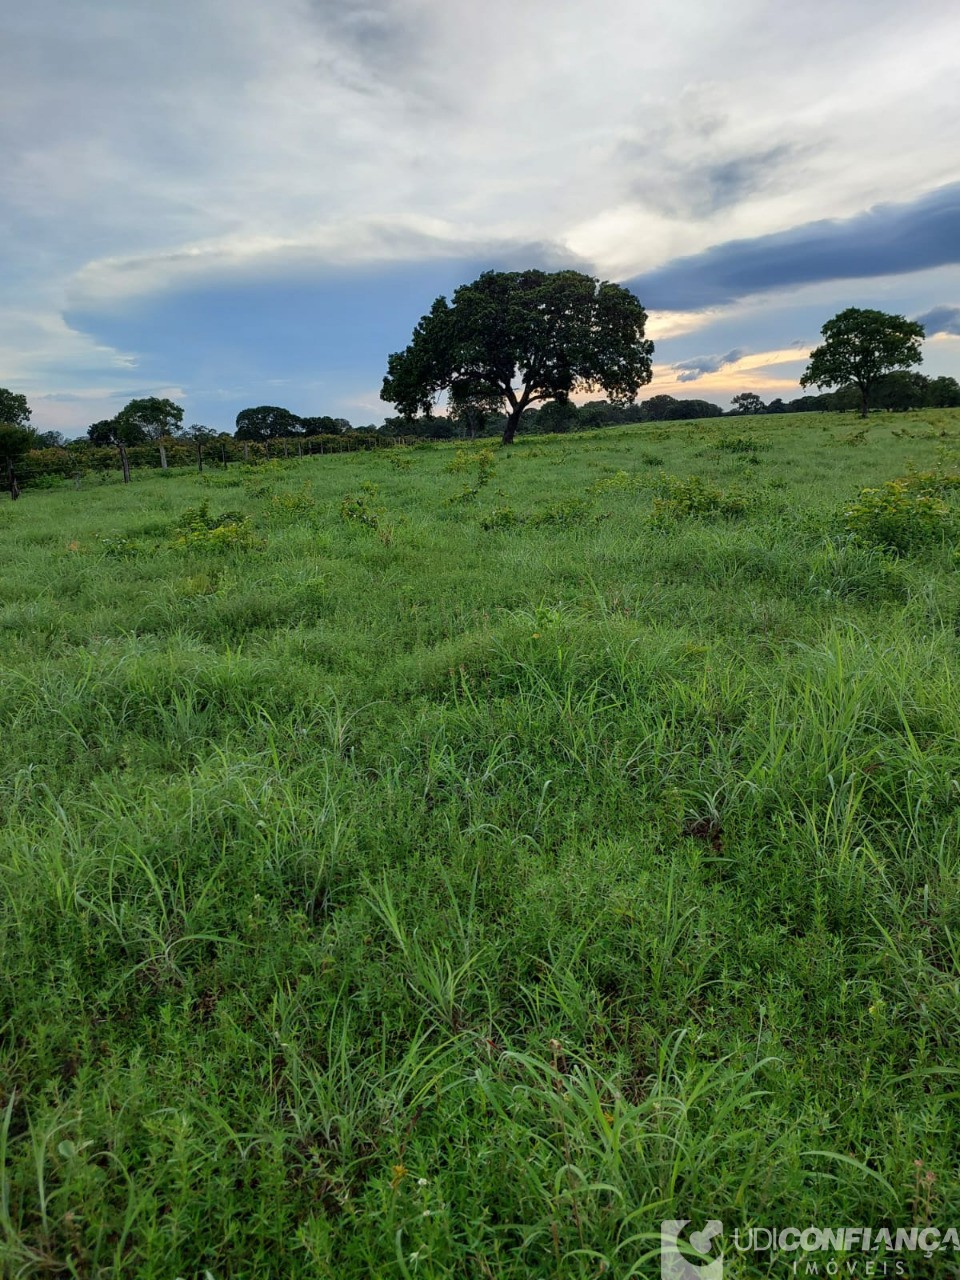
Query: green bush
[[501, 518], [619, 482], [681, 499], [225, 532], [483, 459], [738, 444], [570, 511], [905, 514], [364, 509]]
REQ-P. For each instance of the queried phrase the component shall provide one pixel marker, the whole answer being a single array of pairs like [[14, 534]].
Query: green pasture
[[451, 861]]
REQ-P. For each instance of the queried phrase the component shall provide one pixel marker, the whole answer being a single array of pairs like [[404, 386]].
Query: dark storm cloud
[[691, 370], [889, 239], [940, 320]]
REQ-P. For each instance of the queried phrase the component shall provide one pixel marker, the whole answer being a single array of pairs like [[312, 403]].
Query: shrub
[[485, 465], [226, 532], [502, 518], [363, 508], [295, 505], [905, 514], [738, 444], [620, 481], [681, 499], [570, 511], [118, 546]]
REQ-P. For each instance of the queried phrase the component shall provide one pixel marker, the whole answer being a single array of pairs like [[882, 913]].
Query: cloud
[[157, 151], [704, 184], [943, 319], [888, 239], [336, 247], [691, 370]]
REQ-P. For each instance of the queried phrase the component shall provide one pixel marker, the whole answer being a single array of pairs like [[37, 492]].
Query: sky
[[244, 202]]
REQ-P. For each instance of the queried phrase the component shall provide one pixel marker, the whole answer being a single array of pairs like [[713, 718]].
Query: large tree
[[152, 418], [14, 409], [861, 346], [748, 402], [943, 393], [523, 337], [267, 422], [322, 425], [118, 430]]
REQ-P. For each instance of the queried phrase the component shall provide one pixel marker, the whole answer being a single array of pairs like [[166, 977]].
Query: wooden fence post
[[124, 463], [12, 481]]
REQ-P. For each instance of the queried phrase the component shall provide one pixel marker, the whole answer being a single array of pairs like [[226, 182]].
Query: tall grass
[[467, 901]]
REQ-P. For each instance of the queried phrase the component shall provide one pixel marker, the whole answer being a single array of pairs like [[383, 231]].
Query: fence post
[[12, 481], [163, 456], [124, 463]]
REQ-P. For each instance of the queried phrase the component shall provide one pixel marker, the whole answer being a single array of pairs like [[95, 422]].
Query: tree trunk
[[223, 453], [864, 406], [513, 421], [246, 451], [124, 463], [199, 456]]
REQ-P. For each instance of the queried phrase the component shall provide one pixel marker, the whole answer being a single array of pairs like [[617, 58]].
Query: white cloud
[[146, 146]]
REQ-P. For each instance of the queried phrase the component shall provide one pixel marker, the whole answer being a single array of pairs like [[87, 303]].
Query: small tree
[[748, 402], [525, 336], [860, 347]]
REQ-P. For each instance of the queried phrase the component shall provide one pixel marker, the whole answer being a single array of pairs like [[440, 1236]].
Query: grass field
[[453, 863]]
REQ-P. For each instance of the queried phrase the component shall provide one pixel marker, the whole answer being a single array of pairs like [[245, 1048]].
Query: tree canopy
[[14, 409], [267, 422], [153, 417], [748, 402], [150, 418], [518, 337], [860, 347]]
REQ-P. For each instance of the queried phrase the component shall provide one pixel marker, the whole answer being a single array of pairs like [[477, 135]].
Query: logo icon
[[690, 1259]]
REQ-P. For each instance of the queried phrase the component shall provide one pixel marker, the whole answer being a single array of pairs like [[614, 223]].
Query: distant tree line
[[894, 392], [510, 352]]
